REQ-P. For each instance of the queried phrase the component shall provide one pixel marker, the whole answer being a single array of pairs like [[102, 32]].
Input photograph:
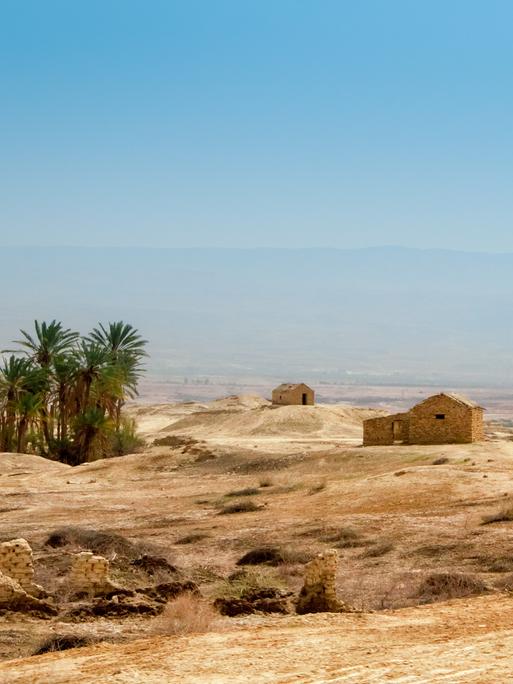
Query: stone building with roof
[[289, 394], [441, 419]]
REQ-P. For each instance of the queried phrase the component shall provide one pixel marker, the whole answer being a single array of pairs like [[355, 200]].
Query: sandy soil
[[460, 641], [411, 518]]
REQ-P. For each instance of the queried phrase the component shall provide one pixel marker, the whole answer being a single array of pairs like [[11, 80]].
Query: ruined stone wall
[[294, 396], [89, 573], [319, 593], [380, 431], [17, 563], [459, 425]]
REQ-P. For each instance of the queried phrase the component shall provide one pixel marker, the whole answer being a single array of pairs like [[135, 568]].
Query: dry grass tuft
[[501, 564], [504, 515], [345, 538], [248, 491], [192, 538], [319, 487], [441, 586], [377, 550], [63, 642], [239, 507], [187, 614], [274, 555]]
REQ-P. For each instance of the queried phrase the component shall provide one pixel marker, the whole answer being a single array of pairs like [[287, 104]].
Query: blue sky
[[244, 123]]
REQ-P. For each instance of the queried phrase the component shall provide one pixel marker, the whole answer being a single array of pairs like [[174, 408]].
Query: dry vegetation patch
[[442, 586], [187, 614]]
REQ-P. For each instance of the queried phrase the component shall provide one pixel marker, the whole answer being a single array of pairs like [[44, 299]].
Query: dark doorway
[[397, 431], [304, 399]]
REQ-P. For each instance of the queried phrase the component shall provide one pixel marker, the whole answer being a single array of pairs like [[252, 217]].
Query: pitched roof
[[455, 397], [289, 385]]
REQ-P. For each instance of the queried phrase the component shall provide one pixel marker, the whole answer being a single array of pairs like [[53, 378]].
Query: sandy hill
[[248, 417], [12, 465]]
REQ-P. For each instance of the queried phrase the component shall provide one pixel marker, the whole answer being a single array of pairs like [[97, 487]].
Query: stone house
[[293, 394], [441, 419]]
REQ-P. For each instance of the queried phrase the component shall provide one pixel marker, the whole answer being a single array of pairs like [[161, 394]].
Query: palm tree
[[118, 338], [51, 339], [92, 429], [126, 348], [28, 408], [92, 360], [13, 381]]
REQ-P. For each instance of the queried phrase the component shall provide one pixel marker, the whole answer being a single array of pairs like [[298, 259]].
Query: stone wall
[[381, 431], [319, 594], [293, 396], [442, 420], [17, 563], [89, 573], [10, 590]]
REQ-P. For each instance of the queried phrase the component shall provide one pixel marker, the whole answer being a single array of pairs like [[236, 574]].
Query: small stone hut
[[293, 395], [441, 419]]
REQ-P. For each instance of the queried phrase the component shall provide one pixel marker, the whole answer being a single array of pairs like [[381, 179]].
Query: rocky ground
[[238, 476]]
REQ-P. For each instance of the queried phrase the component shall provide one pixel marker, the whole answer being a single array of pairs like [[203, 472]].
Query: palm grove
[[61, 395]]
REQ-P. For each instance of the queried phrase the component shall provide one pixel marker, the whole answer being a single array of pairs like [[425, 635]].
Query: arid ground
[[424, 534]]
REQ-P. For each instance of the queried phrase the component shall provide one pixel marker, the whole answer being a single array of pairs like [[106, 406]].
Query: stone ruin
[[16, 562], [319, 594], [89, 574]]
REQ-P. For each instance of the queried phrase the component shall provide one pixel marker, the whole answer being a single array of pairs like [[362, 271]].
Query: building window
[[440, 416]]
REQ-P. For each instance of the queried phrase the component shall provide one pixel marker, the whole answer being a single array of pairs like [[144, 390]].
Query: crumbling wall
[[13, 597], [319, 594], [17, 563], [89, 573], [10, 590]]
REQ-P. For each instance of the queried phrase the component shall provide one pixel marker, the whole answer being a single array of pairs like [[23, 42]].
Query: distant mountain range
[[377, 315]]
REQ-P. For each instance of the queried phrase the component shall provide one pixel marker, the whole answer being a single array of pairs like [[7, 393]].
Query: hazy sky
[[257, 122]]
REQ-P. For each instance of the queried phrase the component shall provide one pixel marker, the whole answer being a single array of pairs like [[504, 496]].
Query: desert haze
[[368, 316]]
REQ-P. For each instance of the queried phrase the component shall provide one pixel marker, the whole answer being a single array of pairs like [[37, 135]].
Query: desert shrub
[[504, 515], [125, 440], [440, 461], [63, 642], [434, 550], [187, 614], [248, 581], [192, 538], [248, 491], [377, 550], [273, 555], [345, 537], [441, 586], [316, 488], [501, 564], [239, 507], [266, 482], [103, 543], [126, 557]]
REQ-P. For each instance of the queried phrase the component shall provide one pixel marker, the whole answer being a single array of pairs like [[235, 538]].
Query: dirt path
[[460, 641]]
